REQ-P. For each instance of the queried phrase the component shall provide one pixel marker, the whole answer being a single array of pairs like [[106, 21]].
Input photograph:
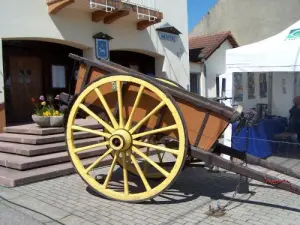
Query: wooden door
[[26, 82]]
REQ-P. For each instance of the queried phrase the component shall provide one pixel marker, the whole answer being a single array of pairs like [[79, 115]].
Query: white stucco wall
[[73, 26], [195, 67], [1, 75], [282, 102], [216, 65], [251, 103]]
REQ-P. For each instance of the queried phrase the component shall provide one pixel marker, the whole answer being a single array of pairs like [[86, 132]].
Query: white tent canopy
[[280, 53]]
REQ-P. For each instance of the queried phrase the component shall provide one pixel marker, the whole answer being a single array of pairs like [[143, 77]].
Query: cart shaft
[[216, 160], [256, 161]]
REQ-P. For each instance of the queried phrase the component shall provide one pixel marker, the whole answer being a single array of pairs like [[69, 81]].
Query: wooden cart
[[150, 127]]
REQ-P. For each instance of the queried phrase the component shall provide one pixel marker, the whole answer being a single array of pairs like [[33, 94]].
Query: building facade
[[249, 20], [36, 37], [208, 62]]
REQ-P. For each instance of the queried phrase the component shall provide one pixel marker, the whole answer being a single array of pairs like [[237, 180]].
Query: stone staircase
[[30, 154]]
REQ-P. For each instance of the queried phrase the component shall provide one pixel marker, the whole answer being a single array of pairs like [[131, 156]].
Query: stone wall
[[249, 20]]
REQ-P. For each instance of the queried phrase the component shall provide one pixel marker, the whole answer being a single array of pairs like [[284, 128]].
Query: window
[[223, 87], [251, 86], [195, 83], [238, 86], [217, 87], [263, 86], [58, 76]]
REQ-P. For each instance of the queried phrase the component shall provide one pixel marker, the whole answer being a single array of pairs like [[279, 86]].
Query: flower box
[[46, 114], [48, 121]]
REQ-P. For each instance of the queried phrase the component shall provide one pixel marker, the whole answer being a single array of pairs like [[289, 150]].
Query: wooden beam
[[143, 24], [257, 161], [115, 16], [98, 16], [213, 159], [49, 2], [56, 6]]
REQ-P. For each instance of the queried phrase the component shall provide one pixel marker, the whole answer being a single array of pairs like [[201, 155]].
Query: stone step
[[34, 129], [13, 178], [35, 150], [39, 140], [24, 163]]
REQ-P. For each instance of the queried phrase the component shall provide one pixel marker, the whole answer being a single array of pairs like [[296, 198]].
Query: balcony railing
[[108, 11]]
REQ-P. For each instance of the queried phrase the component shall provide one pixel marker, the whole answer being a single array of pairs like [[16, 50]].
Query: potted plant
[[46, 115]]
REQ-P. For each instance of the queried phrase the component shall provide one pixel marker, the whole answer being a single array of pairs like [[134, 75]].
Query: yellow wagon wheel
[[168, 81], [124, 134], [161, 156]]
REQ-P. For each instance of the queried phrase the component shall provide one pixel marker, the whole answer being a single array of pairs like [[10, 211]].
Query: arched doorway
[[31, 69], [137, 61]]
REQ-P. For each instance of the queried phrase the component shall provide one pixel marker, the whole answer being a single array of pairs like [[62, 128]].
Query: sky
[[197, 9]]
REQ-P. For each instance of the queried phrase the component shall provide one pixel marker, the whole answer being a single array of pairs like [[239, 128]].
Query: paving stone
[[72, 220], [36, 216], [53, 223], [9, 193], [40, 206], [10, 216], [196, 185]]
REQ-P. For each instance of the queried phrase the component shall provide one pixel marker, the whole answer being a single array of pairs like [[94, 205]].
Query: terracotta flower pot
[[48, 121]]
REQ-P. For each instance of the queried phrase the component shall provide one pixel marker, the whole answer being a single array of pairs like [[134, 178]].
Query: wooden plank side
[[194, 108], [215, 126], [194, 118]]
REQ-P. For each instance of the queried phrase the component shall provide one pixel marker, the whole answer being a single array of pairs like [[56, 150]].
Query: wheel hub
[[120, 140]]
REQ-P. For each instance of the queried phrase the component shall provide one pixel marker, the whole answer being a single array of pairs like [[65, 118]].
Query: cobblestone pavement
[[67, 200]]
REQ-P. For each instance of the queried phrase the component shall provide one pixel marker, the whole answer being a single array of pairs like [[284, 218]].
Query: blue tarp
[[260, 137]]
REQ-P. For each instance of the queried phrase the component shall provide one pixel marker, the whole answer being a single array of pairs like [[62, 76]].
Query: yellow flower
[[56, 113], [46, 113], [43, 103]]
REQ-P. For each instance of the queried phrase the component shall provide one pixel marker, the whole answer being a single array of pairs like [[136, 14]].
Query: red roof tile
[[210, 43]]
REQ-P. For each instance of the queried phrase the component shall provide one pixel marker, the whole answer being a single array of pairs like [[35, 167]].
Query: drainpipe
[[203, 79]]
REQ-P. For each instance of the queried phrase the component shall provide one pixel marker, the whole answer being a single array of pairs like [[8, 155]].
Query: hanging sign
[[102, 49], [167, 36]]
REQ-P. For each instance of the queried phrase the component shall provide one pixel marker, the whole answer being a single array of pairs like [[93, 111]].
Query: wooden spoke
[[150, 161], [160, 148], [84, 129], [158, 107], [111, 170], [173, 127], [136, 103], [141, 174], [98, 160], [106, 107], [120, 104], [76, 150], [97, 118], [125, 174]]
